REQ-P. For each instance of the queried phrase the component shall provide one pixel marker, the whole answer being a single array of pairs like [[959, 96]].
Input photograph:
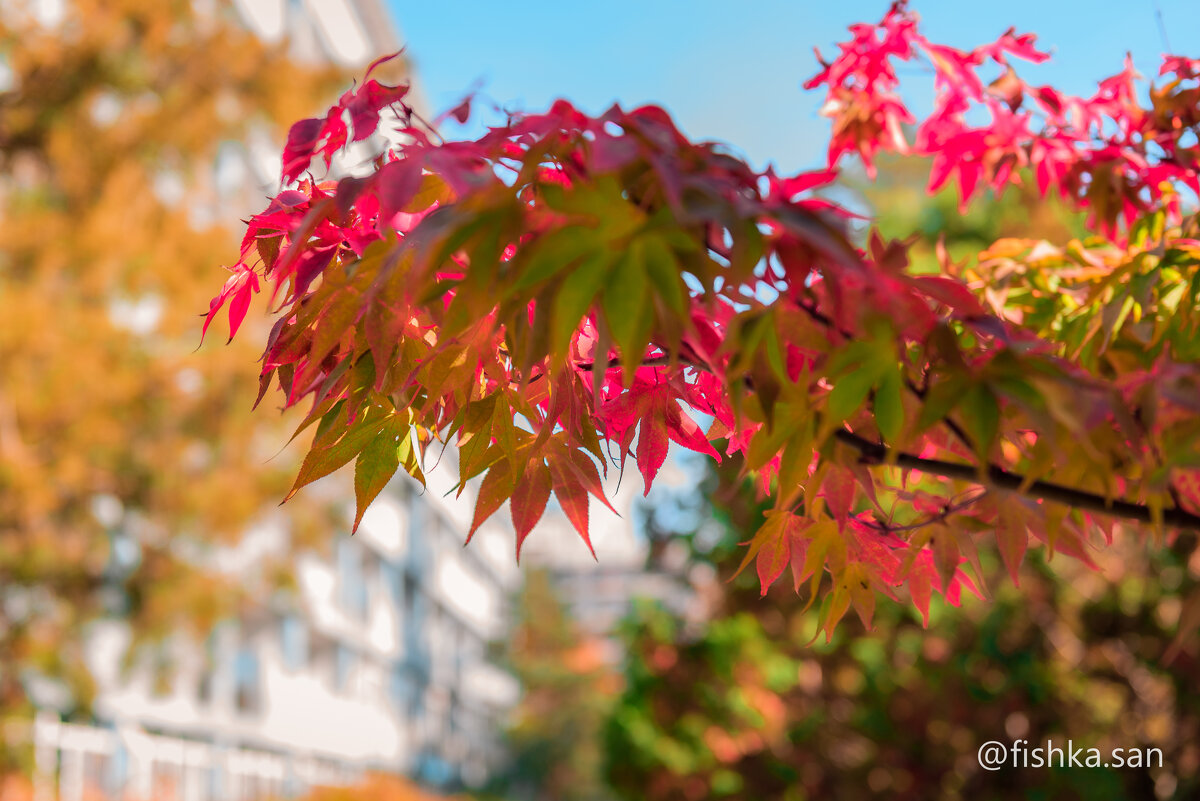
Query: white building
[[349, 33], [378, 660]]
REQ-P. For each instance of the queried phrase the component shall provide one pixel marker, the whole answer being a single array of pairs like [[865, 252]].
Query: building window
[[204, 690], [393, 584], [247, 679], [294, 642], [410, 597], [352, 586], [403, 690], [344, 663]]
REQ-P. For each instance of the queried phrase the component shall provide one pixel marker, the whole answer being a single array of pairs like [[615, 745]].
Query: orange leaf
[[496, 488], [838, 488], [775, 551], [1012, 537]]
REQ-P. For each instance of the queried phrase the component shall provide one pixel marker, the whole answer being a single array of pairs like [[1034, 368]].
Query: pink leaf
[[302, 140], [775, 552], [838, 488]]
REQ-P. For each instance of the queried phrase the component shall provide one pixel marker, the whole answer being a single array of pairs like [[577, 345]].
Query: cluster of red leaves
[[1106, 153], [568, 290]]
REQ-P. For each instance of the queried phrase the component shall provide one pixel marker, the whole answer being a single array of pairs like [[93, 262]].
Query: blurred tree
[[746, 710], [567, 692], [900, 207], [123, 452]]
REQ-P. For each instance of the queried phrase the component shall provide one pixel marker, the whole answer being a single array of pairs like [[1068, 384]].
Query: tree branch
[[1000, 477], [874, 453], [996, 476], [940, 517]]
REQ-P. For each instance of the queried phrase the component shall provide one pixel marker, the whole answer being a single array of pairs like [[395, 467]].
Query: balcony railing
[[89, 763]]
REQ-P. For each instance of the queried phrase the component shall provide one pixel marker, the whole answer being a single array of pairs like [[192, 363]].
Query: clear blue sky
[[732, 71]]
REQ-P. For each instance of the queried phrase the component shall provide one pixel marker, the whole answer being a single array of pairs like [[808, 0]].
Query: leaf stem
[[940, 517]]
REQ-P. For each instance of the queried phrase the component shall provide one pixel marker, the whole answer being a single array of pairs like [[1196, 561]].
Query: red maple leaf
[[238, 290], [655, 408]]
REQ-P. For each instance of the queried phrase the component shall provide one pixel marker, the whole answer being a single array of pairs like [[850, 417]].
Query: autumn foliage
[[124, 454], [569, 291], [376, 787]]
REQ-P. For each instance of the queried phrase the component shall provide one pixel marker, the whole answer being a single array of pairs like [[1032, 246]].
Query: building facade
[[377, 658], [377, 661]]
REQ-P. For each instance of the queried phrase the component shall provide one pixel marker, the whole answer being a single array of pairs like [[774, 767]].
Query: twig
[[1162, 28], [947, 510], [874, 453]]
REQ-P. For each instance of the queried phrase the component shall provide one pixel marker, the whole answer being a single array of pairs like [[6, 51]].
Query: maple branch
[[940, 517], [874, 453], [919, 391]]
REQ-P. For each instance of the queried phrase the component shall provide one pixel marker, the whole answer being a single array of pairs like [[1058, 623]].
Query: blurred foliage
[[377, 787], [899, 207], [746, 710], [124, 453], [568, 689], [745, 707]]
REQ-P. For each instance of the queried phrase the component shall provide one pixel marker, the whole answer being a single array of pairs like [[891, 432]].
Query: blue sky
[[732, 71]]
